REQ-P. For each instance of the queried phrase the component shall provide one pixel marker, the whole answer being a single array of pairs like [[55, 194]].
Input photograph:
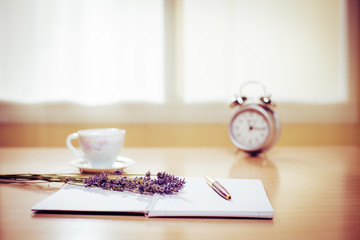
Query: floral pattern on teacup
[[94, 144]]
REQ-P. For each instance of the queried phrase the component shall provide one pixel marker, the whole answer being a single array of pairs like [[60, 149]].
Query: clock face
[[250, 129]]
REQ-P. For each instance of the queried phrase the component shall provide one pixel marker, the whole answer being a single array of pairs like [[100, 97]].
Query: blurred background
[[166, 70]]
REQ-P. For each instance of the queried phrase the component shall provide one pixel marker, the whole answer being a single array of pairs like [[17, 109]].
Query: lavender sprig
[[164, 183], [26, 178]]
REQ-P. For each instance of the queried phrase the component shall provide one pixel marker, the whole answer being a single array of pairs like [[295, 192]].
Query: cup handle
[[69, 138]]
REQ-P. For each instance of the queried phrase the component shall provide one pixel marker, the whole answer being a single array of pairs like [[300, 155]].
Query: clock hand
[[252, 122], [255, 120], [249, 124], [258, 128]]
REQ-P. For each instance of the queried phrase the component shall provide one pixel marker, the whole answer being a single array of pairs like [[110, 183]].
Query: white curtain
[[83, 51], [295, 47]]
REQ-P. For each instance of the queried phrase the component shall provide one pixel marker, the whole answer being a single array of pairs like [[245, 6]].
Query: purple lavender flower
[[164, 183]]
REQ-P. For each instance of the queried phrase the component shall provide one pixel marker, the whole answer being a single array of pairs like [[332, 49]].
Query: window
[[172, 60], [86, 52]]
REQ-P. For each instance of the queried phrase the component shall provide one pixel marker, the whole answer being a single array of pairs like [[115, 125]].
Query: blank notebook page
[[80, 198], [249, 199]]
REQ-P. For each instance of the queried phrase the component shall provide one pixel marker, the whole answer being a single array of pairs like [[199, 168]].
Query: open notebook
[[197, 199]]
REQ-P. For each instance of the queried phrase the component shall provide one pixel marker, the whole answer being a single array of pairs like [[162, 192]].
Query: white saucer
[[84, 166]]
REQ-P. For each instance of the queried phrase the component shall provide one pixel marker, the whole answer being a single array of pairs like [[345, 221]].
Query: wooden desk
[[315, 192]]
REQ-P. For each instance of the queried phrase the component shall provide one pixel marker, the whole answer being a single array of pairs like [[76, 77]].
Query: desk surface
[[315, 192]]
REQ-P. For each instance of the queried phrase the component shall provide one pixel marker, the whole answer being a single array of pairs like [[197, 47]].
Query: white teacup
[[100, 147]]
